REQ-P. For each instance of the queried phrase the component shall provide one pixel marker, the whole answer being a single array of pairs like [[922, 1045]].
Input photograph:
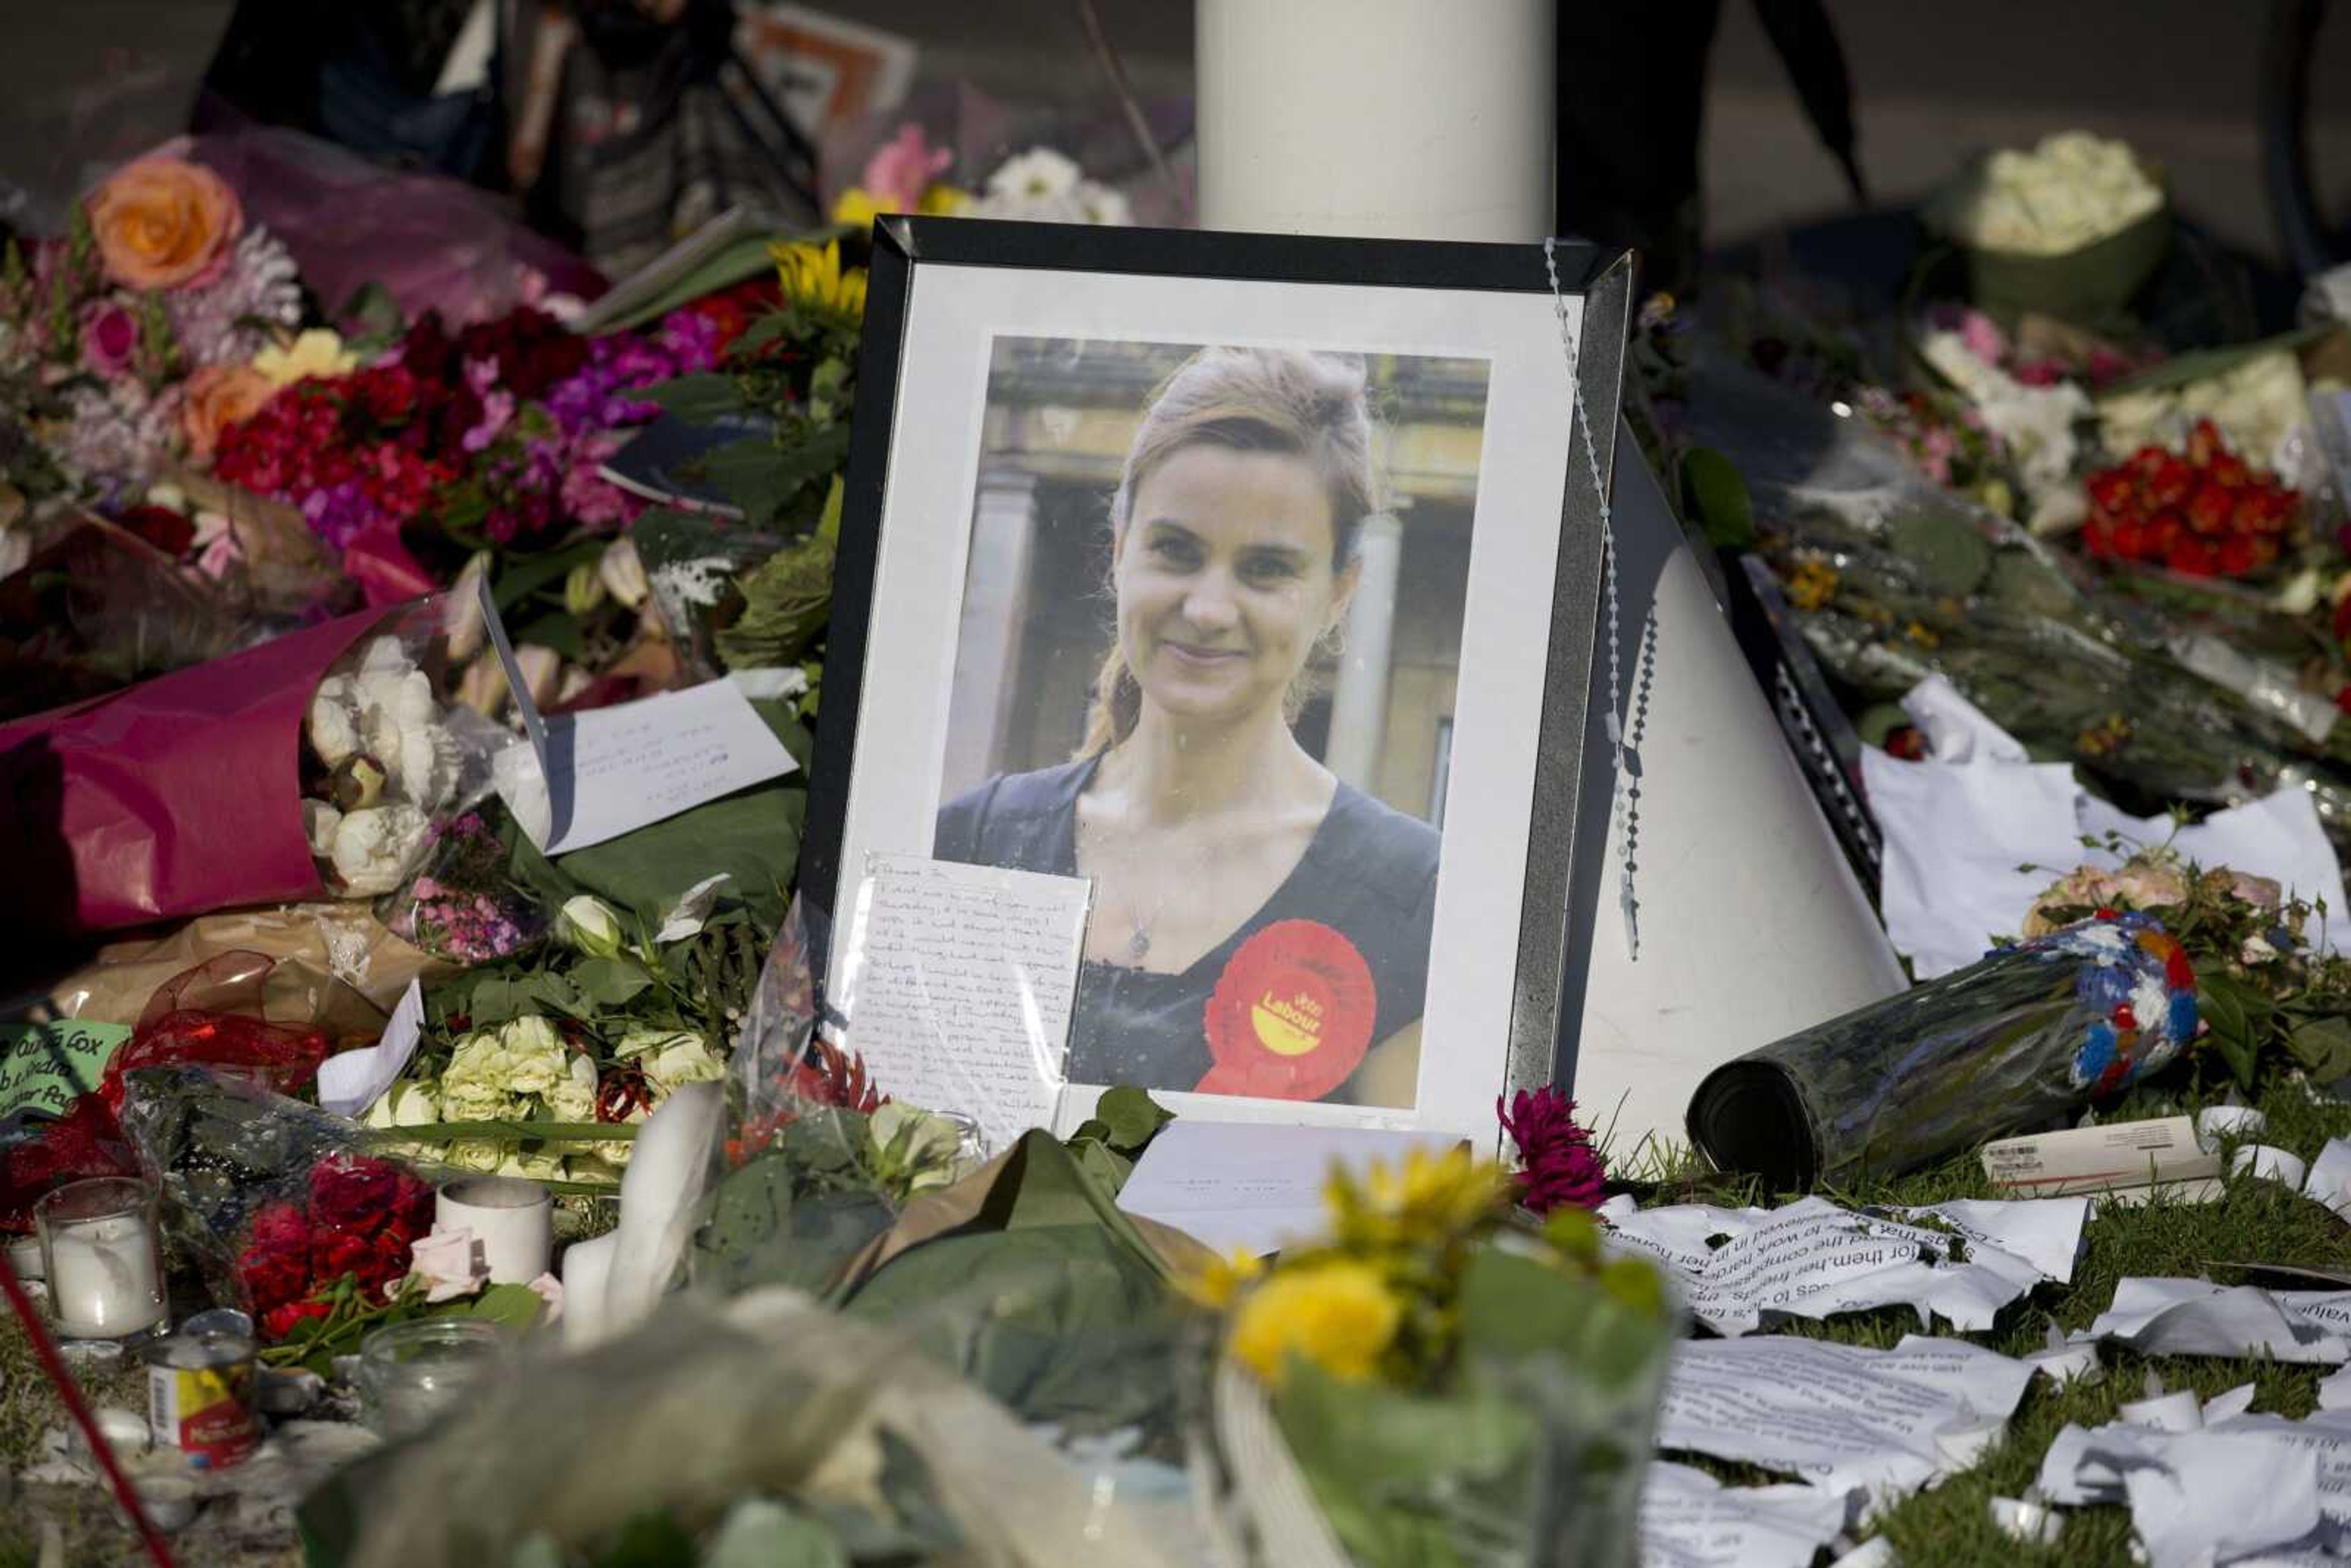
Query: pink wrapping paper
[[174, 796]]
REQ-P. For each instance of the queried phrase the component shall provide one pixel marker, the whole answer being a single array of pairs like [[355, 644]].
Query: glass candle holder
[[103, 1251], [412, 1373]]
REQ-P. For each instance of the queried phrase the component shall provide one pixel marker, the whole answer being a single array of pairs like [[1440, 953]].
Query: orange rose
[[217, 397], [161, 222]]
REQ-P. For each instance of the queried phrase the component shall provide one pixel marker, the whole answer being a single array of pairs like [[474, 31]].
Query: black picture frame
[[1570, 796]]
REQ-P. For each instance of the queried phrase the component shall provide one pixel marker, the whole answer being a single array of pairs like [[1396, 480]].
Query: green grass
[[2254, 1221]]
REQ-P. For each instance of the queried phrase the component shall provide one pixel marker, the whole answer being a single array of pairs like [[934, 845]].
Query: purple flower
[[1559, 1166]]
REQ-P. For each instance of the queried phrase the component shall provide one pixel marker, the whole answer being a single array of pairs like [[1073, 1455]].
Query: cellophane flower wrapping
[[277, 1201], [207, 1018], [315, 764], [1892, 578], [715, 1410]]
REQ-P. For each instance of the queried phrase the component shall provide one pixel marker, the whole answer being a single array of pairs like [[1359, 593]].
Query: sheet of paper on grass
[[1250, 1186], [2120, 1162], [2241, 1484], [1839, 1417], [2195, 1317], [351, 1081], [1812, 1258], [45, 1066], [1689, 1520], [1958, 827], [589, 776], [957, 985]]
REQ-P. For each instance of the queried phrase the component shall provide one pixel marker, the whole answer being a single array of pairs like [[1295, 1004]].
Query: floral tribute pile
[[355, 1224], [2203, 512]]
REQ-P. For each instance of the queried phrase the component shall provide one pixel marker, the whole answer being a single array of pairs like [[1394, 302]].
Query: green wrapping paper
[[2030, 1032]]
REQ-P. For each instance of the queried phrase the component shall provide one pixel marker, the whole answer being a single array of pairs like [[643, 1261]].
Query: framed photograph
[[1217, 569]]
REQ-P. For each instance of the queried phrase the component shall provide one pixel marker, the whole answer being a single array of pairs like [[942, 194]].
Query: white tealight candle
[[105, 1268]]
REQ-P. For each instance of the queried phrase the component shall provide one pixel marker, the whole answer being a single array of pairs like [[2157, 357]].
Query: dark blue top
[[1368, 873]]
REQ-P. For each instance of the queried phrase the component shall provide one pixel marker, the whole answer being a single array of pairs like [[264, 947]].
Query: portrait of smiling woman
[[1223, 695]]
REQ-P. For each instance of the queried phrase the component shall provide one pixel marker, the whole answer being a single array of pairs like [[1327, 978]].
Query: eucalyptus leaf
[[516, 1306], [759, 1532]]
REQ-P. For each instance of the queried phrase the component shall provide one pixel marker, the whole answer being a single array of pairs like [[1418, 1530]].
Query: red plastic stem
[[46, 1349]]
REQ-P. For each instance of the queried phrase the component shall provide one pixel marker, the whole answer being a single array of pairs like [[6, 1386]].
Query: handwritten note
[[611, 771], [1243, 1186], [589, 776], [957, 985], [352, 1081], [44, 1067]]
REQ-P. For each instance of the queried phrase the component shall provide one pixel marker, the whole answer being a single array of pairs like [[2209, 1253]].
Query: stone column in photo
[[1359, 700], [995, 608]]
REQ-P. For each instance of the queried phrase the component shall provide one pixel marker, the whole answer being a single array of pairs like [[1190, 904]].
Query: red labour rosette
[[1292, 1016]]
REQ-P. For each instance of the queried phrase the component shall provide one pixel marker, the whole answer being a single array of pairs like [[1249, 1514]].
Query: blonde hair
[[1246, 400]]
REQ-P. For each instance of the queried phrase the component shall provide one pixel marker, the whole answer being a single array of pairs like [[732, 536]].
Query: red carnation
[[1559, 1166], [280, 1225]]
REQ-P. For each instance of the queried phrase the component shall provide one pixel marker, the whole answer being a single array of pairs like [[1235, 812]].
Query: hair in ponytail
[[1248, 399]]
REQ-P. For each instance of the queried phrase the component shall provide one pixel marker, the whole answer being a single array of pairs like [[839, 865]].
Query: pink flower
[[1983, 337], [1559, 1166], [109, 336], [497, 408], [902, 169], [446, 1261], [548, 1289]]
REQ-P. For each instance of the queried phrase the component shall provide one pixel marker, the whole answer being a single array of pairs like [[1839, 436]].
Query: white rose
[[573, 1098], [532, 1167], [476, 1103], [589, 924], [373, 848], [685, 1059], [385, 655], [483, 1158], [534, 1056], [476, 1059], [406, 1103], [320, 820]]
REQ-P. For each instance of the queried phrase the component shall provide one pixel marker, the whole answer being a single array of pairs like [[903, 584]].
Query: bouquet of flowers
[[1446, 1385], [140, 326], [2203, 513]]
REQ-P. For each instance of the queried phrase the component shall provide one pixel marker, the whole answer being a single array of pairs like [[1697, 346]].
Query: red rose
[[279, 1323], [280, 1225], [2111, 490], [334, 1254], [349, 1191], [2170, 485], [2192, 557], [388, 393], [2238, 556], [274, 1274]]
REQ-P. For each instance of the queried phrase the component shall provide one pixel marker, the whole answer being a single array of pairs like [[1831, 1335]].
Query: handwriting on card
[[45, 1066], [958, 985]]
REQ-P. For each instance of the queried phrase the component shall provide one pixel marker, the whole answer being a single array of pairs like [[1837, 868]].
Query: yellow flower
[[813, 275], [944, 201], [1338, 1314], [319, 353], [1220, 1280], [1432, 1198], [856, 207]]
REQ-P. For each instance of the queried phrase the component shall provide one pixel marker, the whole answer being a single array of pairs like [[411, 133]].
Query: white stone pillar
[[1396, 119], [995, 606], [1359, 701]]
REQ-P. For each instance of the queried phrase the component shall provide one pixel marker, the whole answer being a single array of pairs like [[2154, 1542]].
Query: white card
[[957, 987], [352, 1081], [1249, 1187], [593, 776]]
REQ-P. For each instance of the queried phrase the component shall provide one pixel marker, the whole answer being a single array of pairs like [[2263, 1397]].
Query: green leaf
[[516, 1306], [761, 475], [761, 1533], [610, 981], [524, 576], [2322, 1046], [650, 1539], [558, 630], [1714, 495], [1132, 1117], [1949, 556], [697, 398]]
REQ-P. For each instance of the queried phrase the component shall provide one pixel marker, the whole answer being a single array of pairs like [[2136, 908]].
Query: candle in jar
[[104, 1282]]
